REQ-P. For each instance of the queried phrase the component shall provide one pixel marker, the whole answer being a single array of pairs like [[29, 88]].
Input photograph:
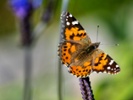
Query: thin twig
[[60, 75], [28, 75], [25, 28]]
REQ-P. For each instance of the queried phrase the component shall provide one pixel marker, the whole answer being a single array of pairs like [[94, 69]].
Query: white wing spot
[[67, 23], [74, 22], [111, 62], [70, 15], [108, 68], [117, 66], [100, 72], [94, 72], [104, 72]]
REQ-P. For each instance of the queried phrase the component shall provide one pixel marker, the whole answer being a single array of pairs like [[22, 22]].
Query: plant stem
[[85, 87], [60, 75]]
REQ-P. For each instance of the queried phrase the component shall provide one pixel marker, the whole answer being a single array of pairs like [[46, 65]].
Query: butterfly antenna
[[116, 44], [97, 33]]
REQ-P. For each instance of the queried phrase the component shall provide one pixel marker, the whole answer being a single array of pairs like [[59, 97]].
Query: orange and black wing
[[97, 61], [72, 29], [73, 38], [104, 63]]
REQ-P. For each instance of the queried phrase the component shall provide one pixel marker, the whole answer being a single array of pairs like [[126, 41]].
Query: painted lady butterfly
[[78, 53]]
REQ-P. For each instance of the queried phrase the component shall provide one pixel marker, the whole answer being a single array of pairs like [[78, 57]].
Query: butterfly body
[[79, 54]]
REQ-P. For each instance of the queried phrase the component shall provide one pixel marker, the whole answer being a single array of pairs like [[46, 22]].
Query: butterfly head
[[93, 46]]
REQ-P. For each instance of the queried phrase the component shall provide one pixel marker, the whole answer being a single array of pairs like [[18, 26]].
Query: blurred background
[[115, 18]]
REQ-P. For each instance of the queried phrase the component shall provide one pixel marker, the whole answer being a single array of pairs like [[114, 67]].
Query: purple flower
[[21, 7], [36, 3]]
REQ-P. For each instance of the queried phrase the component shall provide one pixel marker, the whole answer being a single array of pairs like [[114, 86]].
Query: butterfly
[[78, 53]]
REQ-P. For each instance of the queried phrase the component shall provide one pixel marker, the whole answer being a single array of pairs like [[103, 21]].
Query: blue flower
[[21, 7], [36, 3]]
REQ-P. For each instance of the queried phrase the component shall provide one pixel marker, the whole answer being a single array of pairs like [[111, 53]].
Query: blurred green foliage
[[7, 19], [114, 13], [12, 91]]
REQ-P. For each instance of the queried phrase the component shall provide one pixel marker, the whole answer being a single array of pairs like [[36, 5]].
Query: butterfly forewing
[[71, 28], [73, 38]]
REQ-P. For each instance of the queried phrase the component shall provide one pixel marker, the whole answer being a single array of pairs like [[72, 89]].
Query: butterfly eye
[[90, 48], [93, 47]]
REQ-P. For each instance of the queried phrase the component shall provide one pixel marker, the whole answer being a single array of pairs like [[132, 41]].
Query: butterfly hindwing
[[104, 63], [97, 61]]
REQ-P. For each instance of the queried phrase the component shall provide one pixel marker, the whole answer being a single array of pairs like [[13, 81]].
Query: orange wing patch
[[81, 71], [73, 48], [104, 63], [74, 34], [100, 62], [66, 52]]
